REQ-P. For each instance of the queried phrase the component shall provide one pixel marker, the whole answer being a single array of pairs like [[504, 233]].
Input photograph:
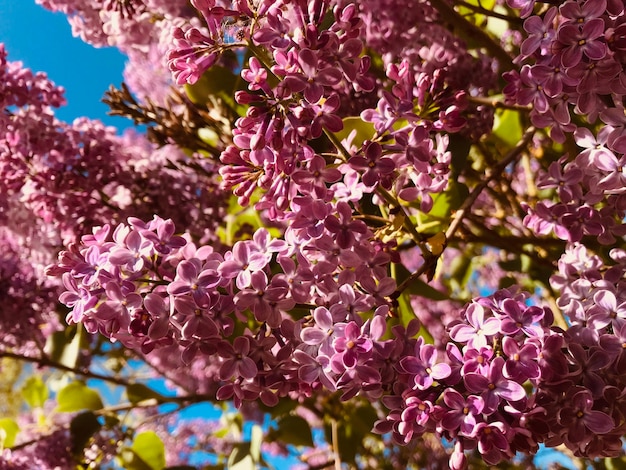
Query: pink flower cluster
[[296, 78], [149, 288], [505, 370], [573, 64]]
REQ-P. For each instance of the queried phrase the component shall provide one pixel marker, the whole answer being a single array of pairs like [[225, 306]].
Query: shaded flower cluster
[[149, 288], [573, 64], [505, 369]]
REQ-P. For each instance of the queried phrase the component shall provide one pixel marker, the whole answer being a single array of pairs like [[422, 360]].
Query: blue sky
[[43, 42]]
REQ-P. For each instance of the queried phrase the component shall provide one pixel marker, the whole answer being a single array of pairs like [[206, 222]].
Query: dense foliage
[[368, 233]]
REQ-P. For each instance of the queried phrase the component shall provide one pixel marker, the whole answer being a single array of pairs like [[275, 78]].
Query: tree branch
[[515, 153], [450, 15], [47, 362]]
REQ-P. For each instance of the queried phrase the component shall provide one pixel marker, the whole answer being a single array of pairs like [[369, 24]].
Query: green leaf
[[449, 200], [507, 127], [76, 396], [131, 461], [241, 223], [138, 392], [8, 432], [352, 431], [35, 392], [293, 430], [147, 453], [82, 427], [506, 282], [363, 130], [215, 81], [209, 136], [256, 439], [476, 18], [512, 265], [618, 463], [417, 286], [284, 405], [406, 314], [422, 289], [64, 346], [240, 458]]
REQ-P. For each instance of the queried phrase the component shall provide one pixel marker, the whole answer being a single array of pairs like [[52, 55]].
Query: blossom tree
[[362, 233]]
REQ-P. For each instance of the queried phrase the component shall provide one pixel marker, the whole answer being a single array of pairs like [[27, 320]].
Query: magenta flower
[[193, 54], [255, 75], [581, 12], [315, 369], [461, 413], [311, 119], [313, 78], [265, 301], [423, 366], [477, 360], [540, 31], [77, 297], [315, 177], [574, 42], [192, 320], [495, 386], [324, 332], [376, 168], [344, 227], [532, 90], [164, 241], [132, 253], [93, 270], [521, 363], [310, 215], [242, 262], [492, 442], [526, 6], [236, 361], [517, 317], [580, 418], [607, 311], [160, 315], [191, 278], [478, 330], [417, 412], [122, 301], [350, 348]]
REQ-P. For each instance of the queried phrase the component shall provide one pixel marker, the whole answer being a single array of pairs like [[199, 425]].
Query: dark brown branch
[[514, 20], [179, 123], [451, 16], [47, 362], [431, 261], [497, 170]]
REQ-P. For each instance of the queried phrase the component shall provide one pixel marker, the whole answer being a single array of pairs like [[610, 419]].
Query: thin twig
[[497, 104], [335, 439], [450, 15], [484, 11], [47, 362], [459, 215]]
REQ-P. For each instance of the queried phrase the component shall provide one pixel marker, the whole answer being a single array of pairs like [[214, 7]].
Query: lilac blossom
[[478, 329], [494, 386], [461, 413], [424, 366]]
